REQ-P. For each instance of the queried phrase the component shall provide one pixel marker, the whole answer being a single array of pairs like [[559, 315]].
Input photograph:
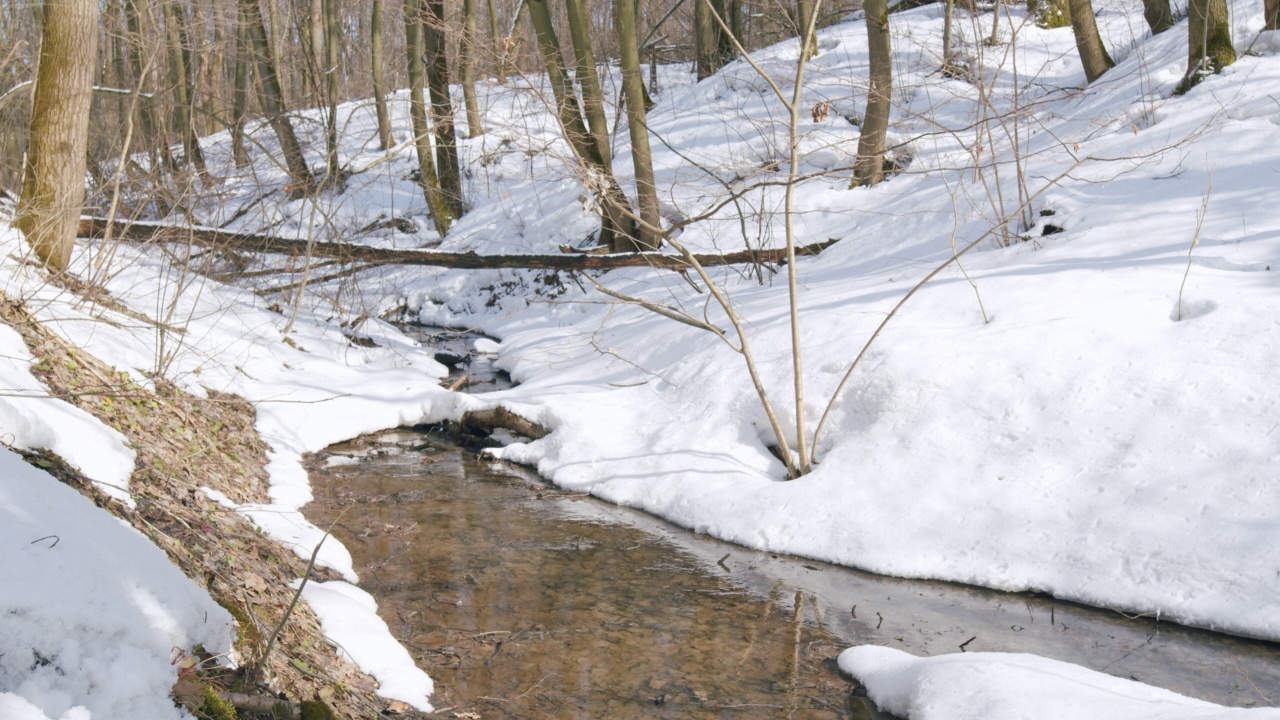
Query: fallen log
[[248, 242]]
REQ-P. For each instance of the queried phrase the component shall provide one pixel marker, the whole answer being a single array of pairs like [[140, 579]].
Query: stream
[[523, 600]]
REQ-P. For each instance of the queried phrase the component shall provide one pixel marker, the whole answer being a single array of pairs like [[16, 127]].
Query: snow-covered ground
[[1091, 413]]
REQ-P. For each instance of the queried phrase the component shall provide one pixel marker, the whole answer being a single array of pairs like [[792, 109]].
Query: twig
[[1195, 240], [294, 603]]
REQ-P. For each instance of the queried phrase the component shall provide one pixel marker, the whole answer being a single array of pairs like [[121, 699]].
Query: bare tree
[[1093, 55], [592, 98], [633, 86], [1159, 15], [271, 98], [446, 139], [441, 215], [379, 84], [1209, 46], [467, 61], [617, 228], [48, 211], [868, 168]]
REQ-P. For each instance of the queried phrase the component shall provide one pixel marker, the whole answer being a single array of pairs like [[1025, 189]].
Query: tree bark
[[868, 168], [588, 81], [467, 59], [330, 73], [650, 225], [379, 84], [1270, 14], [148, 122], [1093, 55], [441, 215], [804, 11], [48, 211], [495, 39], [244, 242], [183, 90], [240, 92], [436, 58], [1209, 46], [1159, 14], [272, 100], [617, 220]]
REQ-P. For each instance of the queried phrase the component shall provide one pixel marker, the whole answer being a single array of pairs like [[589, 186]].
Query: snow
[[92, 610], [351, 621], [1013, 686], [1062, 413]]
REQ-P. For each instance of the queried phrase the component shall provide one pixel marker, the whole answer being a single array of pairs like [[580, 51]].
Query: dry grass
[[184, 443]]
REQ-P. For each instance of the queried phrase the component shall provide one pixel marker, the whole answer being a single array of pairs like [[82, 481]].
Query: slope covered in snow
[[1085, 405]]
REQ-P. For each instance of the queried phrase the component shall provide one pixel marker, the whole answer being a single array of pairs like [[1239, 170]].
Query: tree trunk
[[183, 91], [330, 73], [240, 92], [868, 168], [1209, 46], [804, 11], [148, 123], [948, 15], [379, 84], [272, 100], [1093, 55], [467, 59], [633, 86], [435, 44], [617, 219], [495, 38], [315, 35], [1160, 16], [48, 211], [1270, 14], [427, 177], [588, 81]]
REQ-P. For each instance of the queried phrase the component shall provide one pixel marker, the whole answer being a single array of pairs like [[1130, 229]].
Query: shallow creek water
[[522, 600]]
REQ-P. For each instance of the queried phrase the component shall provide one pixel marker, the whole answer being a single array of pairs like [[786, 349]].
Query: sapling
[[1195, 240]]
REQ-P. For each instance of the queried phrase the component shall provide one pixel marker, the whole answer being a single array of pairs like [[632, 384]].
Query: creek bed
[[522, 600]]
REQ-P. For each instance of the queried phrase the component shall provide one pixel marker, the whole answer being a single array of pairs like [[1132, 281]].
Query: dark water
[[525, 601]]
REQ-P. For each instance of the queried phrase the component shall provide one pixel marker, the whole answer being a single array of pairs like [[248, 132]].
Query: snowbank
[[93, 612], [1009, 686]]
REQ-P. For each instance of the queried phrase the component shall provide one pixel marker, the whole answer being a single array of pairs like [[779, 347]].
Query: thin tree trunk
[[48, 211], [379, 84], [315, 35], [427, 177], [1209, 46], [467, 59], [495, 38], [617, 228], [1270, 14], [1093, 55], [272, 100], [330, 73], [633, 86], [949, 11], [284, 73], [588, 81], [868, 168], [804, 11], [1159, 15], [148, 123], [446, 140], [240, 92], [180, 79]]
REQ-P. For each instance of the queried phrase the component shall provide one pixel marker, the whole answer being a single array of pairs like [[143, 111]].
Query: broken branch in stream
[[271, 244]]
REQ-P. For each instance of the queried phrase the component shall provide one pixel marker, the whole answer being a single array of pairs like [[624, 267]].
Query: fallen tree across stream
[[247, 242]]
